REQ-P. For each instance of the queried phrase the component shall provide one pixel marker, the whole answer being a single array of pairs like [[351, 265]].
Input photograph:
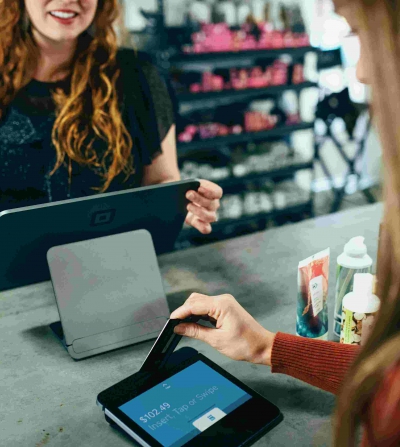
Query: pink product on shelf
[[289, 40], [279, 73], [185, 137], [213, 38], [258, 78], [192, 129], [220, 31], [218, 83], [219, 38], [293, 119], [277, 39], [298, 74], [212, 83], [195, 88], [258, 121], [237, 129], [265, 42], [207, 82], [188, 134], [239, 79], [198, 48], [249, 43], [198, 37], [209, 130], [223, 130], [302, 40]]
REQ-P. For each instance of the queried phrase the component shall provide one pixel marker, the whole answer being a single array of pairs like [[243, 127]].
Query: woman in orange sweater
[[369, 393]]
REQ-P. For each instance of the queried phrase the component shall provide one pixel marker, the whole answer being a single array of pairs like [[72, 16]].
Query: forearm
[[176, 178], [320, 363], [164, 168]]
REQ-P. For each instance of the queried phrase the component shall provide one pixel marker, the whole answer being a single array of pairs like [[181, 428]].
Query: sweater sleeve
[[320, 363]]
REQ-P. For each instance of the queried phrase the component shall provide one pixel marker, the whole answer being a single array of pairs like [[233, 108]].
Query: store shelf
[[260, 176], [183, 59], [242, 94], [187, 148], [229, 225]]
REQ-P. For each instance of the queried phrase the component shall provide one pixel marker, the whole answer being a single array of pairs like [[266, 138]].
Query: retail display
[[255, 117], [221, 38], [264, 200], [270, 158], [275, 73], [230, 70]]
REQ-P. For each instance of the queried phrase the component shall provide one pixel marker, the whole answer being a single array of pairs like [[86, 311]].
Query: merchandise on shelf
[[257, 116], [254, 122], [257, 202], [259, 121], [231, 207], [191, 169], [298, 74], [289, 193], [207, 131], [272, 197], [268, 74], [269, 157], [276, 156], [259, 77], [220, 38]]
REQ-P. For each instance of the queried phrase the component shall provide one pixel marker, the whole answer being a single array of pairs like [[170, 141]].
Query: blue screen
[[186, 404]]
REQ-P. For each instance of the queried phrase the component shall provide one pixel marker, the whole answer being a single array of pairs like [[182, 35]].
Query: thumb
[[195, 331]]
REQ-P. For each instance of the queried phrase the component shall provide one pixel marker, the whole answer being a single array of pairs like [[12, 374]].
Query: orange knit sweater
[[324, 365]]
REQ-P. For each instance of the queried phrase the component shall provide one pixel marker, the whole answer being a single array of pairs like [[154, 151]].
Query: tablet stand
[[109, 293]]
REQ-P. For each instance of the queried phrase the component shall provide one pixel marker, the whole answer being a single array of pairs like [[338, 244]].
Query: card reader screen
[[185, 405]]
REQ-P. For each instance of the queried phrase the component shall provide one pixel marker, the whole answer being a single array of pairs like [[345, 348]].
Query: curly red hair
[[91, 110]]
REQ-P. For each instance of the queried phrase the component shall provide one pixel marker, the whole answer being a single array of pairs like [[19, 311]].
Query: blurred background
[[267, 105]]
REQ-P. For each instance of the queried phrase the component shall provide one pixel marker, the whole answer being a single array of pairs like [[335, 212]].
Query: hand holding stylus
[[204, 206], [236, 335]]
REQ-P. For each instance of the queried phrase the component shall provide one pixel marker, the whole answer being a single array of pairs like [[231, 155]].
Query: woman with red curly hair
[[79, 116]]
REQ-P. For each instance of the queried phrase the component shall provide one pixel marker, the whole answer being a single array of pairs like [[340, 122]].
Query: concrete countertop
[[49, 399]]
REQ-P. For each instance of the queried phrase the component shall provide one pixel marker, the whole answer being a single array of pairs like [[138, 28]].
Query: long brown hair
[[91, 110], [380, 38]]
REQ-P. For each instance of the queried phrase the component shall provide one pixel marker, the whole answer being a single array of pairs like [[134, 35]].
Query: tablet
[[26, 234], [195, 403]]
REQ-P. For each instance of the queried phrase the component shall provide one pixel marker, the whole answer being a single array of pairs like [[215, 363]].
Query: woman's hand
[[204, 205], [237, 334]]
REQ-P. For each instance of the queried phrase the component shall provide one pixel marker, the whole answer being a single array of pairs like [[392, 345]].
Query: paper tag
[[317, 295]]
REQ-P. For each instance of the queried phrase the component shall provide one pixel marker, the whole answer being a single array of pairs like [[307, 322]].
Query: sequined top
[[27, 154]]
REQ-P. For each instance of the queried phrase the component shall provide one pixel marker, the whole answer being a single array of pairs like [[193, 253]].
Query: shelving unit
[[227, 228], [262, 176], [230, 227], [170, 58], [186, 148], [181, 60], [239, 95]]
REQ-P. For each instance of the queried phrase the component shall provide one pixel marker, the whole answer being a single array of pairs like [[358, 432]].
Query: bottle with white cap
[[354, 259], [359, 310]]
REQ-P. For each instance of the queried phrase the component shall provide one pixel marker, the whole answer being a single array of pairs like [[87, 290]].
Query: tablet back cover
[[108, 289]]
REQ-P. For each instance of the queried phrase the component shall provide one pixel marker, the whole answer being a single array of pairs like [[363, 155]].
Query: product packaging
[[359, 310], [312, 296], [354, 259]]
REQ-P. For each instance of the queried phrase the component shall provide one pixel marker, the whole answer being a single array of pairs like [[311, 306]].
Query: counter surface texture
[[49, 399]]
